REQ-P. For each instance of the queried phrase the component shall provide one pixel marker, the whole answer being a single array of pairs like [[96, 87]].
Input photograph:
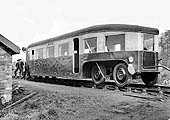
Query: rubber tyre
[[97, 77], [149, 78], [121, 75]]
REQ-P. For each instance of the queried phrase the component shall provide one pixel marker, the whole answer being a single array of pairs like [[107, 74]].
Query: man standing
[[19, 66]]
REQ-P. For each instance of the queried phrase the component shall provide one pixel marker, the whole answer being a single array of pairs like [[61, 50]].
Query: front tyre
[[96, 74], [149, 78], [121, 75]]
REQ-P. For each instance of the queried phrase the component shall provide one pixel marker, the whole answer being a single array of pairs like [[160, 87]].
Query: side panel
[[108, 57], [133, 41], [56, 67], [124, 55], [63, 66]]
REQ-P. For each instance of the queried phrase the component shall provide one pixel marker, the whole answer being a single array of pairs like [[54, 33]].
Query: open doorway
[[76, 56]]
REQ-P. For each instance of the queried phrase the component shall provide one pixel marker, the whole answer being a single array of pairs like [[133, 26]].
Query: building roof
[[9, 45], [101, 28]]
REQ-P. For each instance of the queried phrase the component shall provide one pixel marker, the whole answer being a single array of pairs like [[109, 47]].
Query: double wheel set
[[120, 74]]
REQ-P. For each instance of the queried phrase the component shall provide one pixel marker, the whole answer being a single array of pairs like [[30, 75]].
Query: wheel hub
[[121, 73], [97, 75]]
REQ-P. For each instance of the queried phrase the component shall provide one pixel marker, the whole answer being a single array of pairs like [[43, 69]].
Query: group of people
[[20, 70]]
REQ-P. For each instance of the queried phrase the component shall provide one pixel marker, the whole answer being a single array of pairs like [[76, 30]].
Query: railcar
[[110, 52]]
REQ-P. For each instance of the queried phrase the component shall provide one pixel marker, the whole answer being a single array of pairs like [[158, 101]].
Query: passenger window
[[115, 43], [63, 49], [50, 51], [39, 53], [90, 45]]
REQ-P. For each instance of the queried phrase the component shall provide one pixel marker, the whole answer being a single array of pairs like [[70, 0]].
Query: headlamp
[[130, 59]]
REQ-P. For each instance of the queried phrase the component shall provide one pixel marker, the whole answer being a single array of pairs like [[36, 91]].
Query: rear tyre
[[121, 75], [149, 78], [96, 74]]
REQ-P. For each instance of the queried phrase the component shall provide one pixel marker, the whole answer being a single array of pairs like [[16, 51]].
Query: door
[[76, 56]]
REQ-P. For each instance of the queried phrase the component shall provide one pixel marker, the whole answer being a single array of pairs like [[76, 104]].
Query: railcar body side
[[114, 51]]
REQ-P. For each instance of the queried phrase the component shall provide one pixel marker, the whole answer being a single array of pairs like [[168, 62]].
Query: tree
[[165, 47]]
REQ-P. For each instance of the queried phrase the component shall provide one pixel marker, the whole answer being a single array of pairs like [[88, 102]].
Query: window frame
[[47, 50], [122, 46], [153, 44], [59, 47], [85, 44], [37, 53]]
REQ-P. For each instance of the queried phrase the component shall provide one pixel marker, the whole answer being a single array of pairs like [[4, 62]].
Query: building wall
[[5, 76]]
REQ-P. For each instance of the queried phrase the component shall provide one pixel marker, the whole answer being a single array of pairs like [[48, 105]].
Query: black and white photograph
[[84, 60]]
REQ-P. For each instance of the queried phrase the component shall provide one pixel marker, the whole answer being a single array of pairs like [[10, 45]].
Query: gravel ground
[[58, 102]]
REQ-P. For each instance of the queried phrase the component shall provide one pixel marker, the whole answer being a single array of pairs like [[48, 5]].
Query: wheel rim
[[121, 75]]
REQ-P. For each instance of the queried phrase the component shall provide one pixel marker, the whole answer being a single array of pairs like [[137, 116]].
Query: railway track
[[132, 89]]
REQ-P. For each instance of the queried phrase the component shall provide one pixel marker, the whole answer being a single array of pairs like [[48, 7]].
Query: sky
[[27, 21]]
